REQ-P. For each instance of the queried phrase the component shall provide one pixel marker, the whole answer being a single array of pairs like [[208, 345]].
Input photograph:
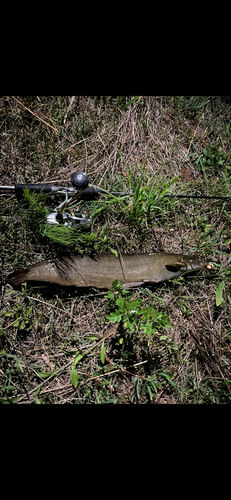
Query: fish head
[[189, 263]]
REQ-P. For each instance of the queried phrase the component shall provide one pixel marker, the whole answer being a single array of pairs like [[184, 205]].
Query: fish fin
[[18, 277], [150, 280], [176, 268], [130, 285]]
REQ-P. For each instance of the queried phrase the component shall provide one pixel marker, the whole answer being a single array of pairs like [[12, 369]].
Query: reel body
[[59, 216]]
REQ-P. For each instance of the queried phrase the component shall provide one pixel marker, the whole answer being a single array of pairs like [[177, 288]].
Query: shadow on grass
[[49, 290]]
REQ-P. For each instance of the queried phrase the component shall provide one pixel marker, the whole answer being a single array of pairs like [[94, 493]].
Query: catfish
[[102, 270]]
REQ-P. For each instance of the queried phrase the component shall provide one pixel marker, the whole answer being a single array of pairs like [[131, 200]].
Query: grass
[[155, 345]]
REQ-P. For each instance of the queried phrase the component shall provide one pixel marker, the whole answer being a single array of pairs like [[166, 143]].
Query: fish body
[[100, 271]]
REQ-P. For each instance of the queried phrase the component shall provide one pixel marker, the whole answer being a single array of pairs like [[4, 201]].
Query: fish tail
[[36, 272], [18, 277], [42, 271]]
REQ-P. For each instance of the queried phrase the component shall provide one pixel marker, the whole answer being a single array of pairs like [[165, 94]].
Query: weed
[[206, 242], [219, 291], [191, 104], [128, 312], [19, 318], [27, 219], [203, 392], [185, 308], [150, 204], [74, 238], [151, 385], [132, 101], [212, 158], [120, 100]]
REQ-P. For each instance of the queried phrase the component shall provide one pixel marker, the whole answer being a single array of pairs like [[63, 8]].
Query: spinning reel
[[59, 215]]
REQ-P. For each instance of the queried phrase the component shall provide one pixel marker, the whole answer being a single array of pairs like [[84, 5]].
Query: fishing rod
[[80, 190]]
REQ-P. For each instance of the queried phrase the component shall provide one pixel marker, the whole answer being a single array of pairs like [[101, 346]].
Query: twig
[[54, 128], [8, 326], [114, 371], [51, 305], [86, 152], [112, 332], [137, 102], [202, 117], [101, 140], [57, 388], [75, 144], [69, 107]]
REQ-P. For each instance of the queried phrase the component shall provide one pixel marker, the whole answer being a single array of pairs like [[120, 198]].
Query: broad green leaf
[[130, 326], [114, 317], [114, 252], [16, 323], [121, 340], [219, 291], [120, 302], [8, 313], [28, 311], [147, 328], [163, 337], [74, 377], [79, 357], [135, 305], [102, 353], [227, 242]]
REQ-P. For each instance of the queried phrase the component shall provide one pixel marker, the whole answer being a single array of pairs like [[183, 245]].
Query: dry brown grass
[[155, 138]]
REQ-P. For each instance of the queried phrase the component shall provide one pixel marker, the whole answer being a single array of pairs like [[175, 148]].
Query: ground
[[160, 344]]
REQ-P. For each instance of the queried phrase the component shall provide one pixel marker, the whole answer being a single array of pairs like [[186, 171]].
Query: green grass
[[191, 104], [132, 318], [155, 345]]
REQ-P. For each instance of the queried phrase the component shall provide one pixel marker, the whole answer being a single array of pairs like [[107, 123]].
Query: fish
[[102, 270]]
